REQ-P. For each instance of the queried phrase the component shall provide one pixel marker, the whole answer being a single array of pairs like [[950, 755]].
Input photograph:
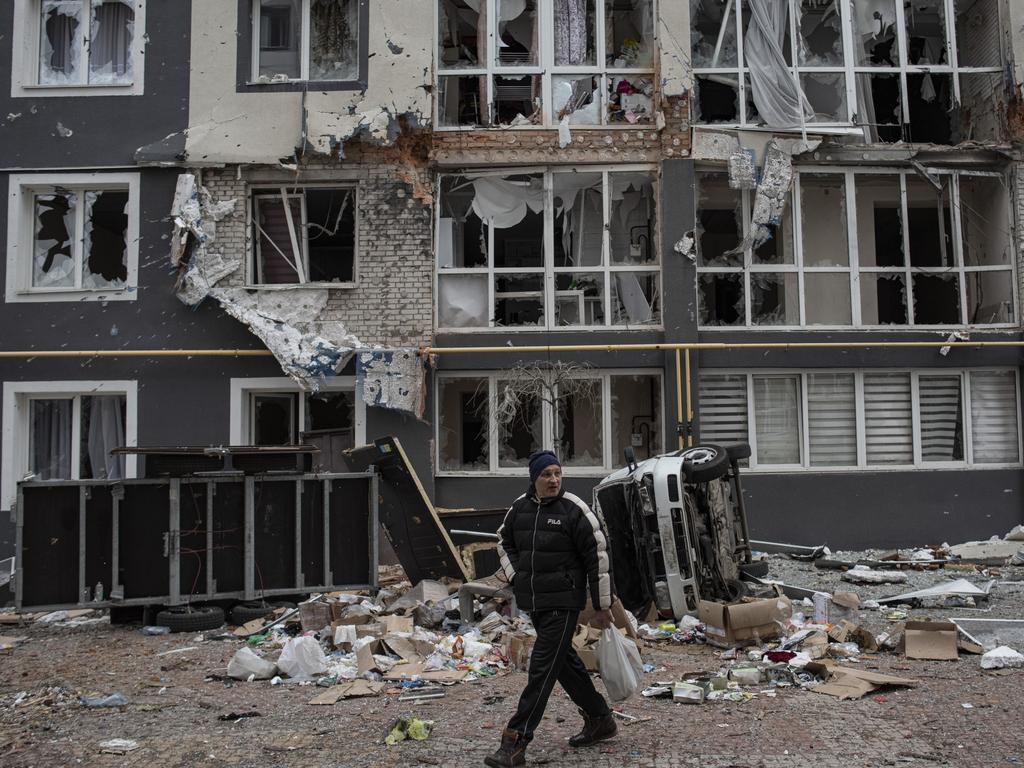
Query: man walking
[[552, 549]]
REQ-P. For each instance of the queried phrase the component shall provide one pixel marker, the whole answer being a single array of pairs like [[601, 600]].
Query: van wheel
[[735, 590], [758, 569], [188, 618], [704, 463]]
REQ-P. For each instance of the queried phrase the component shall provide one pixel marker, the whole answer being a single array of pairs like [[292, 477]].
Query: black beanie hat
[[541, 460]]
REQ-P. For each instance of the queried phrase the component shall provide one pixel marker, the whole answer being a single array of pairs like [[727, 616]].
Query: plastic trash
[[843, 650], [1002, 657], [408, 728], [745, 675], [155, 630], [302, 657], [688, 693], [96, 702], [245, 665], [620, 665]]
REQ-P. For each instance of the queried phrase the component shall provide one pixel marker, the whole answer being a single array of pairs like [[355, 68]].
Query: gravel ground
[[175, 709]]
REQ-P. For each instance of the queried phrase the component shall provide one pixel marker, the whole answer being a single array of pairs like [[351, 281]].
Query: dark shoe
[[512, 751], [594, 729]]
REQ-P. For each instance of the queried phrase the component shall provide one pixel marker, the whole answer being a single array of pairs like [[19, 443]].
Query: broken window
[[493, 251], [281, 418], [70, 438], [917, 260], [86, 42], [491, 422], [494, 55], [315, 40], [579, 424], [304, 235], [897, 81], [275, 419], [910, 418], [80, 239], [463, 418]]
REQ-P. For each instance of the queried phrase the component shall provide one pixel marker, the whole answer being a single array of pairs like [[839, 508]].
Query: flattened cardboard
[[376, 629], [935, 640], [364, 657], [518, 647], [589, 658], [394, 623], [734, 624], [850, 683], [352, 689], [403, 648]]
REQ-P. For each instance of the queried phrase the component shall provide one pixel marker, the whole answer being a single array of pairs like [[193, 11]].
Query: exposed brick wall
[[392, 303], [639, 144]]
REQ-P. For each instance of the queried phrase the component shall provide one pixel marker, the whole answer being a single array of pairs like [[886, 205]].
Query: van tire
[[704, 463], [757, 569], [243, 613], [738, 451], [188, 618]]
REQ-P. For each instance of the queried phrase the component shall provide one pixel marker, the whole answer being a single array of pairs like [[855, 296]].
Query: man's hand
[[602, 619]]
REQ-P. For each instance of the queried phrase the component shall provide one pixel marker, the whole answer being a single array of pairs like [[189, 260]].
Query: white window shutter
[[888, 418], [994, 428], [942, 433], [723, 409], [832, 419]]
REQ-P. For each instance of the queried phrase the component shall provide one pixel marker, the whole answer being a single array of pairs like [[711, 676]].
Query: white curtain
[[110, 47], [778, 97], [777, 419], [50, 439], [106, 432], [503, 204], [570, 31]]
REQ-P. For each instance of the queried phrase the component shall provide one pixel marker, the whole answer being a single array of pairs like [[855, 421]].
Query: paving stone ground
[[174, 710]]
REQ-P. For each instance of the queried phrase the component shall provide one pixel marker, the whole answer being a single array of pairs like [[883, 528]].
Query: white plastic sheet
[[302, 657], [620, 665], [246, 663], [777, 95]]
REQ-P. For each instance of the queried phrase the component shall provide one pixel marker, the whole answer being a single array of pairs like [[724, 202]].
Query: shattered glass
[[633, 225], [60, 42], [929, 222], [464, 416], [636, 298], [826, 92], [984, 216], [821, 34], [516, 33], [522, 434], [579, 298], [629, 33], [721, 299], [280, 40], [716, 99], [883, 298], [110, 42], [823, 220], [711, 29], [462, 34], [719, 221], [579, 219], [330, 234], [989, 297], [827, 298], [579, 426], [636, 416], [777, 249], [875, 33], [879, 220], [926, 32], [334, 40], [519, 299], [933, 117], [630, 99], [53, 262], [105, 246], [459, 100], [462, 236], [879, 107], [576, 98], [774, 298], [936, 298], [517, 100]]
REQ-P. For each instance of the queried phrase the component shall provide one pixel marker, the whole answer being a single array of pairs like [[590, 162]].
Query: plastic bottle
[[98, 593]]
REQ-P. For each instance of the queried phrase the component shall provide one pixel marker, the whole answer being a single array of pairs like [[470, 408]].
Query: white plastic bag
[[245, 663], [302, 657], [620, 665]]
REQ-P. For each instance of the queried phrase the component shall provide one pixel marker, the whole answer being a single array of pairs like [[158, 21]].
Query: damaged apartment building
[[376, 202]]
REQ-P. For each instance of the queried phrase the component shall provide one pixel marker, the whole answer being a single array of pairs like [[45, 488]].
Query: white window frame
[[861, 436], [21, 229], [854, 269], [610, 462], [301, 233], [240, 425], [25, 57], [546, 69], [15, 437], [849, 69], [304, 47], [606, 268]]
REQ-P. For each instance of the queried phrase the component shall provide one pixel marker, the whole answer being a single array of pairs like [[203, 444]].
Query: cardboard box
[[850, 682], [314, 616], [930, 640], [745, 623], [589, 658], [518, 647]]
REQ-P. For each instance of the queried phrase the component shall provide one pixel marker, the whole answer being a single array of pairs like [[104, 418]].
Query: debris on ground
[[118, 746], [1002, 657], [408, 728]]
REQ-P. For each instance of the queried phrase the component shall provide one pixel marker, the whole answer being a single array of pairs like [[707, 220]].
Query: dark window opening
[[60, 29], [275, 419], [930, 99], [461, 99], [107, 230], [936, 300], [473, 425], [888, 237], [517, 100], [721, 299], [716, 101], [930, 241]]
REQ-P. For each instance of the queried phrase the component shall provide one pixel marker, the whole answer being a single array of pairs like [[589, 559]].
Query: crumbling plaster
[[254, 127], [674, 46]]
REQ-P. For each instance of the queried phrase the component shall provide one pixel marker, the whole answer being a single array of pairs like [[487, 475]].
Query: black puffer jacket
[[551, 550]]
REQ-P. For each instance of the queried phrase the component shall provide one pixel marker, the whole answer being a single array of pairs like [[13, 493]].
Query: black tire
[[191, 618], [243, 613], [738, 451], [735, 590], [758, 569], [704, 463]]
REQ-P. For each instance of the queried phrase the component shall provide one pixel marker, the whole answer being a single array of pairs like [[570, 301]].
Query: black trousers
[[555, 660]]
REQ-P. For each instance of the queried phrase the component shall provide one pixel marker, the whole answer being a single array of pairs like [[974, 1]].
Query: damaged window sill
[[348, 286], [129, 293], [295, 86]]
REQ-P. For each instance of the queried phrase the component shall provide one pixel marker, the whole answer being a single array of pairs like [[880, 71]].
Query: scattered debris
[[99, 702], [862, 574], [408, 728], [1002, 657], [118, 746], [960, 587]]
